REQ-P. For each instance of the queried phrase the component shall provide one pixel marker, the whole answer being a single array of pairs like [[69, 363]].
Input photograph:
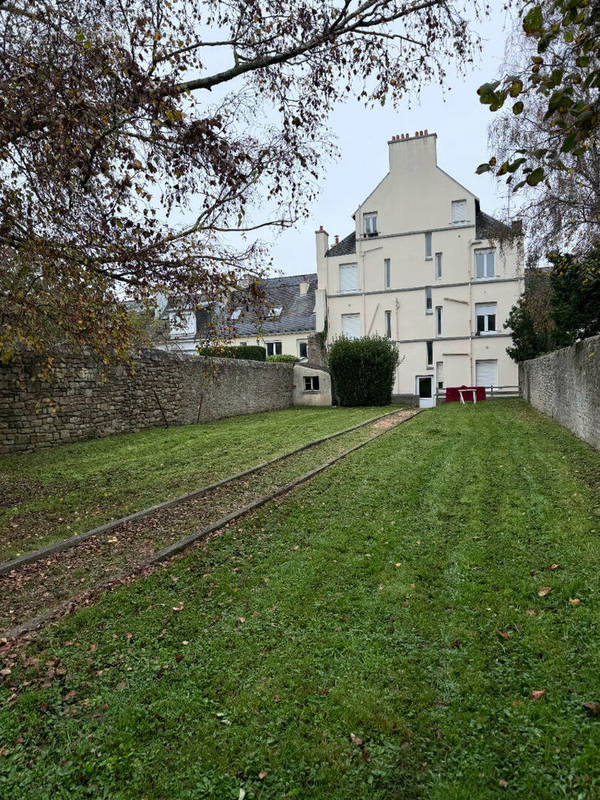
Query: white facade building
[[428, 269]]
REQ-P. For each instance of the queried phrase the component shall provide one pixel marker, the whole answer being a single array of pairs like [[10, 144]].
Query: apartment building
[[427, 268]]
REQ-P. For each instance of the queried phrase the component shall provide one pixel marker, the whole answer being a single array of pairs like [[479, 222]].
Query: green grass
[[58, 492], [371, 600]]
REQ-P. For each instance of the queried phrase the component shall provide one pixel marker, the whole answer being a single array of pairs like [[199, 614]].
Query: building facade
[[425, 267], [282, 326]]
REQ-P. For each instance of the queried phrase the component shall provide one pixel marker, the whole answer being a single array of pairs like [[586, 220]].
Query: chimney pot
[[320, 227], [416, 133], [426, 132], [420, 133], [337, 239]]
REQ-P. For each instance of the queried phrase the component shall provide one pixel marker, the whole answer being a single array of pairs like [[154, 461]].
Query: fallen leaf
[[531, 612], [4, 672], [544, 591], [4, 751], [593, 708], [503, 635], [241, 619], [503, 783], [70, 695], [242, 794], [93, 647], [356, 740], [178, 608], [575, 601], [455, 643], [178, 657], [537, 694], [112, 539], [262, 774], [399, 564], [554, 567], [365, 756]]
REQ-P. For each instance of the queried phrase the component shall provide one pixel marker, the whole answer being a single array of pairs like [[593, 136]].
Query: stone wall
[[164, 388], [566, 386]]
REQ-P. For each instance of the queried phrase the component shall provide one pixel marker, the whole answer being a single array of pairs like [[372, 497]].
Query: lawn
[[58, 492], [380, 633]]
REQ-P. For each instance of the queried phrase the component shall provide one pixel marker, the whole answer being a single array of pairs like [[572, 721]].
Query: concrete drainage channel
[[74, 572]]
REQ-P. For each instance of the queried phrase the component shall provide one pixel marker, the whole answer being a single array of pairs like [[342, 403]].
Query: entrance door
[[425, 391]]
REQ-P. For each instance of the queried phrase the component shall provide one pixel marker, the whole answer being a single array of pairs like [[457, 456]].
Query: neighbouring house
[[283, 326], [427, 268]]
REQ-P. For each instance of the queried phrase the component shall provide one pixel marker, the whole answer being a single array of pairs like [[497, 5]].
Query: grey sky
[[455, 114]]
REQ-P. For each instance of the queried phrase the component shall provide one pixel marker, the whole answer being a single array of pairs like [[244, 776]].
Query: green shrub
[[363, 370], [252, 352], [283, 358]]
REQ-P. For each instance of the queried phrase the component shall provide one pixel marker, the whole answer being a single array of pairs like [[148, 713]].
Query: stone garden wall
[[164, 388], [565, 385]]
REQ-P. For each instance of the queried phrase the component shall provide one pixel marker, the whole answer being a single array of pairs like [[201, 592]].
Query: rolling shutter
[[486, 373], [348, 278], [351, 326]]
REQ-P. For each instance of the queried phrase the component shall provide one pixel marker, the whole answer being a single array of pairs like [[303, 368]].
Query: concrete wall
[[77, 404], [566, 386], [311, 397]]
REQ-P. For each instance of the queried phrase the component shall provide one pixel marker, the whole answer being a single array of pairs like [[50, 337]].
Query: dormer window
[[275, 312], [370, 224], [236, 313]]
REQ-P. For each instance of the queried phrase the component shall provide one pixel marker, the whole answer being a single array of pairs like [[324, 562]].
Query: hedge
[[362, 370], [283, 358], [252, 352]]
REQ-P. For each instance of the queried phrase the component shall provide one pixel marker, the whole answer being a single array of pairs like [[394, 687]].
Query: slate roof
[[487, 227], [344, 248], [298, 312]]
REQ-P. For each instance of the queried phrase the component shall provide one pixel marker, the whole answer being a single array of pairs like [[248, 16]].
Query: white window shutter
[[486, 373], [348, 278], [459, 211], [351, 326]]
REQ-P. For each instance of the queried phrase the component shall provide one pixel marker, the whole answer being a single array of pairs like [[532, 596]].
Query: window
[[428, 245], [243, 344], [459, 211], [388, 324], [351, 326], [183, 323], [348, 278], [236, 313], [274, 312], [485, 264], [429, 354], [438, 320], [485, 317], [428, 301], [439, 374], [302, 349], [486, 373], [438, 266], [370, 224], [273, 348], [311, 383], [387, 273]]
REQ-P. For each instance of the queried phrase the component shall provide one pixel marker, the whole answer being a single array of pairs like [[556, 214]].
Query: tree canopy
[[145, 143], [555, 101]]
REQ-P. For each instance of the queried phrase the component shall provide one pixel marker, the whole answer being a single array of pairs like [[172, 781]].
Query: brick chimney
[[304, 286]]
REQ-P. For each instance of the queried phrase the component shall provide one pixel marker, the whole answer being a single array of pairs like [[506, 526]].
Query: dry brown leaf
[[241, 619], [537, 694], [503, 783], [531, 612], [178, 657], [544, 591], [93, 647], [455, 643], [503, 635], [554, 567], [262, 774], [575, 601], [593, 708], [356, 740]]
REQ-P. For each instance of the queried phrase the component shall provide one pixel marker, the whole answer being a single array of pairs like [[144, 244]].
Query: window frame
[[438, 266], [486, 251], [428, 353], [277, 347], [354, 314], [428, 246], [301, 342], [482, 311], [370, 224], [388, 323], [387, 273], [341, 267], [311, 383], [428, 300], [455, 204], [438, 320]]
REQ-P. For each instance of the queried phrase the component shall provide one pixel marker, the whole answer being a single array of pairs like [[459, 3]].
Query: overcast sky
[[455, 114]]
